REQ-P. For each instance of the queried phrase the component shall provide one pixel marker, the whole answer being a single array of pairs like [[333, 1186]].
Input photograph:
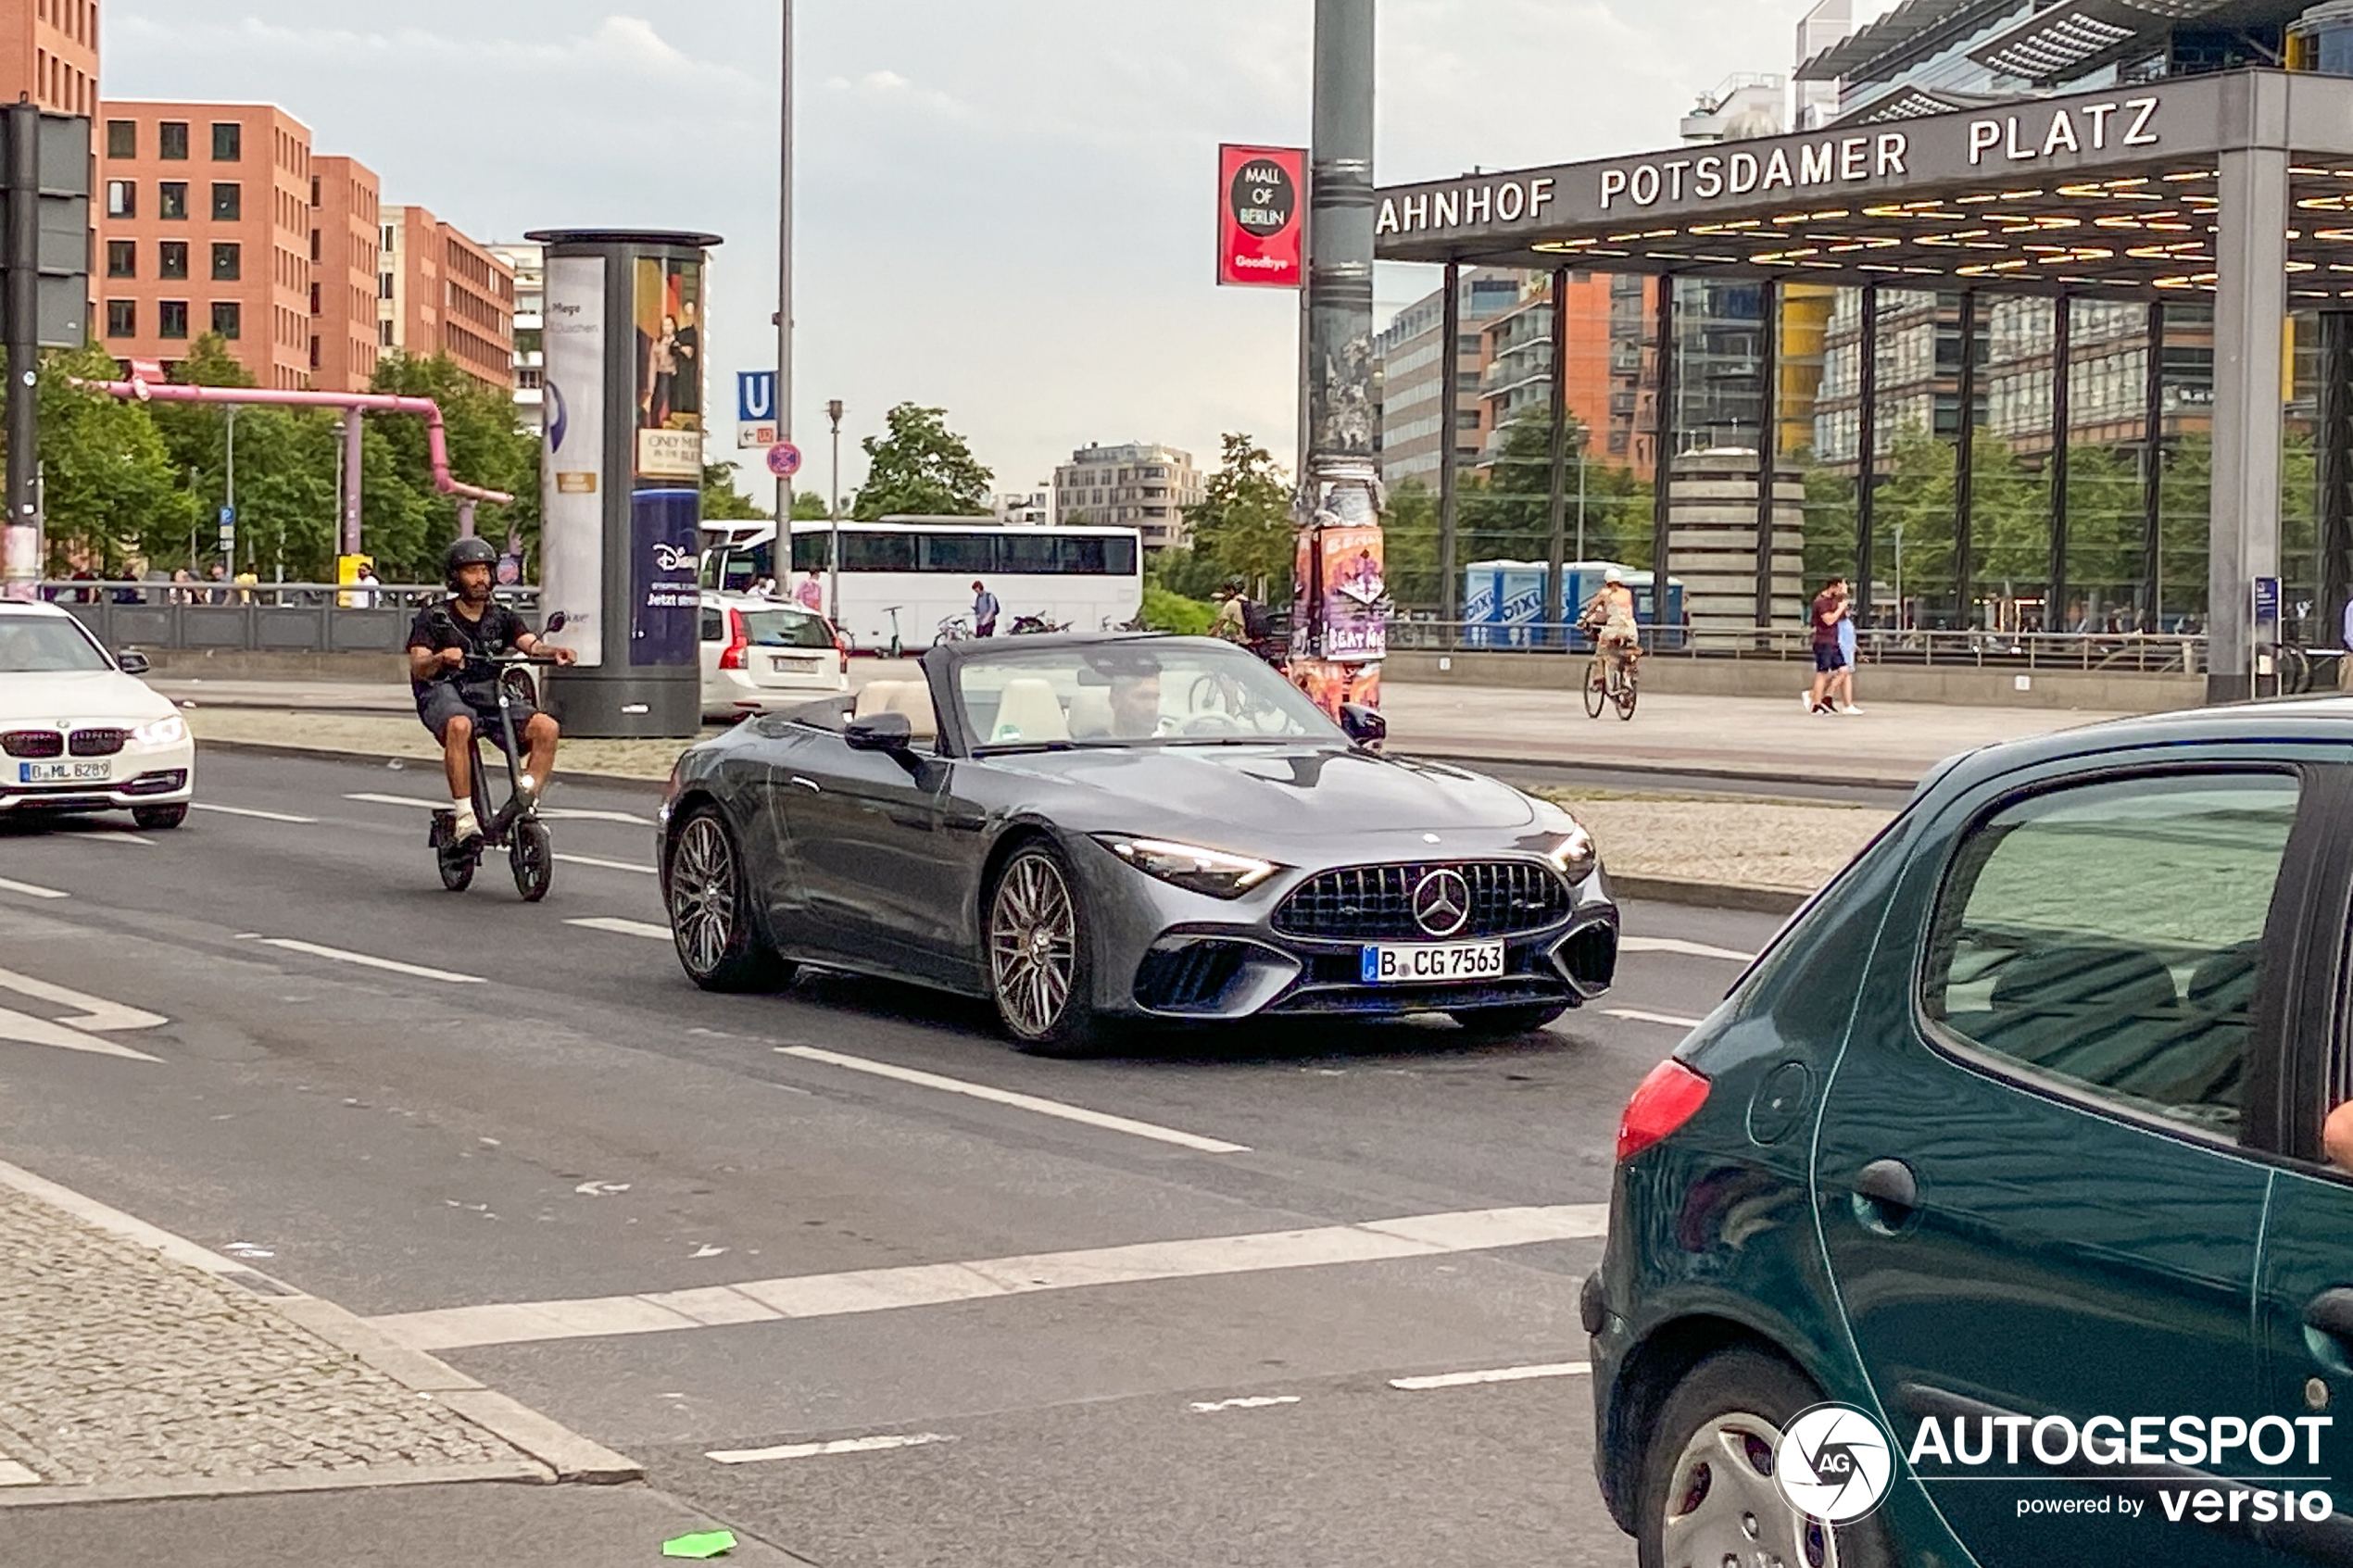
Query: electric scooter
[[514, 827]]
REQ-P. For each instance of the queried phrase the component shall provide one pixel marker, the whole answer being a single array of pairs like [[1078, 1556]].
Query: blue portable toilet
[[1482, 603]]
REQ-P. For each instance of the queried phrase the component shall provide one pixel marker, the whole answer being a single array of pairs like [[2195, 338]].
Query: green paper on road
[[710, 1543]]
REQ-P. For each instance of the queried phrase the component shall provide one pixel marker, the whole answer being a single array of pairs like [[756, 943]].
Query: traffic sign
[[784, 460], [755, 397]]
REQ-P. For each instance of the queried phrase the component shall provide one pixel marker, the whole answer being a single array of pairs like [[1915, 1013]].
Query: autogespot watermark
[[1836, 1464]]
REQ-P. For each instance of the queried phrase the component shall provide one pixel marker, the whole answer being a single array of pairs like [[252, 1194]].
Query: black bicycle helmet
[[465, 553]]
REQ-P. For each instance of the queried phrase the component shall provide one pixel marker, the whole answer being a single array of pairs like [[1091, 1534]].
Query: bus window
[[963, 554], [877, 552], [1024, 555], [1119, 557], [809, 551]]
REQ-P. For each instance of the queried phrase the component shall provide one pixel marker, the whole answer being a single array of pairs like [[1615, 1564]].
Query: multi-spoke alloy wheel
[[718, 943], [1036, 955]]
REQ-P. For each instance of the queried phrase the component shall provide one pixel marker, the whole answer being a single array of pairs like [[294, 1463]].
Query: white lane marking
[[97, 1013], [606, 865], [369, 960], [1499, 1375], [15, 1475], [400, 800], [35, 1031], [1018, 1102], [624, 927], [1686, 950], [820, 1450], [107, 835], [923, 1285], [29, 891], [249, 811], [1257, 1403], [1636, 1015], [580, 814]]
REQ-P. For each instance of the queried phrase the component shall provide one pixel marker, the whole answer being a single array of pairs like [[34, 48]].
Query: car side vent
[[1188, 979]]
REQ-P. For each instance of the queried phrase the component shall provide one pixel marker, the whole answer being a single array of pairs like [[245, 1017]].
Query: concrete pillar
[[353, 445], [2250, 312]]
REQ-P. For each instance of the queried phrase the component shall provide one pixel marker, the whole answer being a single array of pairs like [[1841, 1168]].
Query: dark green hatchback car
[[2011, 1142]]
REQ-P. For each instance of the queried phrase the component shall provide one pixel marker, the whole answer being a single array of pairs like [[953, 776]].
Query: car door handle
[[2332, 1312], [1887, 1192], [810, 784]]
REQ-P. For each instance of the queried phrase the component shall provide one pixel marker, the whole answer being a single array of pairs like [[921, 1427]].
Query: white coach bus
[[908, 578]]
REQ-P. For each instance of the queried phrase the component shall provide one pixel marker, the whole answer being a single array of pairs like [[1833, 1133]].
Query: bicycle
[[1610, 682], [514, 827], [955, 629]]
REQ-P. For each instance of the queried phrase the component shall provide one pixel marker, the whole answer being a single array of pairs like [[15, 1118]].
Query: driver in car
[[1135, 706], [453, 704]]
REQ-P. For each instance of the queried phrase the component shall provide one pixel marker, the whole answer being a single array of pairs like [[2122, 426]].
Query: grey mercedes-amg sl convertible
[[1090, 829]]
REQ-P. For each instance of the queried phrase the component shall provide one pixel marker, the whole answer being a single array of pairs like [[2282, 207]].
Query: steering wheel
[[1208, 724]]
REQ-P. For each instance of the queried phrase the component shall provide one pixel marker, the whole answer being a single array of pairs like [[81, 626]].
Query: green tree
[[113, 499], [1242, 523], [920, 467], [722, 502], [809, 507], [406, 523]]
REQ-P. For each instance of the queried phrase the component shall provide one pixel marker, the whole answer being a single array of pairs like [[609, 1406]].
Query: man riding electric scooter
[[455, 701]]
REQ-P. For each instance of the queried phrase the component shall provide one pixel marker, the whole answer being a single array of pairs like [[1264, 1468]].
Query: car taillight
[[739, 639], [1668, 1097]]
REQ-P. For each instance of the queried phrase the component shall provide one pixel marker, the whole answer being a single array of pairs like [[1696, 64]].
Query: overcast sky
[[1006, 207]]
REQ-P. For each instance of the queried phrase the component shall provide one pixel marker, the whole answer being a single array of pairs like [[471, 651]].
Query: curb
[[1710, 895], [314, 753], [553, 1452], [1670, 771]]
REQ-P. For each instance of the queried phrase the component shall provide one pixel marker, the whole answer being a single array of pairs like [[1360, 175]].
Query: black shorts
[[1828, 659], [445, 700]]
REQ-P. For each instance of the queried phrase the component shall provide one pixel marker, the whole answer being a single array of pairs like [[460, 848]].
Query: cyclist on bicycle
[[454, 706], [1608, 618]]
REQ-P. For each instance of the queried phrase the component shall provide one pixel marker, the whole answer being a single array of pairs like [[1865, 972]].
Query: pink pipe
[[355, 402]]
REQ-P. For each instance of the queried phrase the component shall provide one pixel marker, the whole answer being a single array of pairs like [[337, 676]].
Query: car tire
[[708, 891], [1509, 1023], [1041, 971], [1737, 1403], [159, 819]]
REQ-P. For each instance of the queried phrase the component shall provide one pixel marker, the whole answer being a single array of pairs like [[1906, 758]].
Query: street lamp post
[[833, 513], [1899, 577], [784, 287], [1584, 443]]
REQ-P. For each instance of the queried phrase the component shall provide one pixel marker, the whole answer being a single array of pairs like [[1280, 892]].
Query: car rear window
[[782, 628], [2111, 936]]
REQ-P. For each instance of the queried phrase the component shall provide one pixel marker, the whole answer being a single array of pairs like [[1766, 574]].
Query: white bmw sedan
[[80, 731]]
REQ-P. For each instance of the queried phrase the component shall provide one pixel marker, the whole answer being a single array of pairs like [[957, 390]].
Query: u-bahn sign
[[1261, 213]]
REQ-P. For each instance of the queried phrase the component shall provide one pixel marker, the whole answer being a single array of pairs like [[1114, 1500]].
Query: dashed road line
[[107, 836], [369, 960], [249, 811], [1255, 1402], [1499, 1374], [822, 1451], [28, 890], [408, 800], [1636, 1015], [923, 1285], [623, 927], [1053, 1108], [607, 866], [1686, 950]]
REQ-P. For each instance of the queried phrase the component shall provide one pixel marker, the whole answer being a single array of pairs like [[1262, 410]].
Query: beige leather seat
[[1029, 714], [909, 697], [1090, 713], [876, 697]]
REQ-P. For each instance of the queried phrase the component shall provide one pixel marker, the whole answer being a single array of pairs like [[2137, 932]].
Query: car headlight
[[169, 730], [1574, 856], [1189, 866]]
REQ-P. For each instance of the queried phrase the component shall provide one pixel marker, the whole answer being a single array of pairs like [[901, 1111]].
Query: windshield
[[782, 628], [40, 646], [1133, 694]]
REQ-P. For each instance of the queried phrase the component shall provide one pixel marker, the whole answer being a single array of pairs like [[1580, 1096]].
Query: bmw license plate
[[1423, 963], [63, 773]]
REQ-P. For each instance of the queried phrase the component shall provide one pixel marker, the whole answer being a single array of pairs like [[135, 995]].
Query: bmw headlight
[[171, 729], [1189, 866]]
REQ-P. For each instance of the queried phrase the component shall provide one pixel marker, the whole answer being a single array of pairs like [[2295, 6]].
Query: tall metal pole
[[833, 514], [1450, 393], [1339, 477], [2062, 427], [22, 544], [783, 291], [1556, 579], [353, 448], [1867, 471], [1768, 448], [2153, 478], [1965, 472], [1663, 482]]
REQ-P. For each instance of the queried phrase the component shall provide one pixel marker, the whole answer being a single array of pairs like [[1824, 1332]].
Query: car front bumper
[[161, 776], [733, 693]]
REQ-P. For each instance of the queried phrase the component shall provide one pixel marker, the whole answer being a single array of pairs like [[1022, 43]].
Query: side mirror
[[130, 661], [1364, 725], [880, 732]]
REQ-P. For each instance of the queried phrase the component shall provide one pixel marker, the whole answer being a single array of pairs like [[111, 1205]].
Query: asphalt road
[[537, 1110]]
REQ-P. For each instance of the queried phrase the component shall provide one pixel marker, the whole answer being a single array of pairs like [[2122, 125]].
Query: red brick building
[[440, 293], [345, 252]]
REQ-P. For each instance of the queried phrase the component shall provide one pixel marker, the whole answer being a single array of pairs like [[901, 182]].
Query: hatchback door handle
[[2332, 1312], [1890, 1184]]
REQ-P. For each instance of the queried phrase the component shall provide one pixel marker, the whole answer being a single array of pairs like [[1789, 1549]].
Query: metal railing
[[255, 616], [2102, 652]]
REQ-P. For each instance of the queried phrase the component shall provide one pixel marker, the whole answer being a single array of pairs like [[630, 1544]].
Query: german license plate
[[63, 773], [793, 666], [1423, 963]]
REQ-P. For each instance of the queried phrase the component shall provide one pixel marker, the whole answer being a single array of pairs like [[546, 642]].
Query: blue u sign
[[755, 396]]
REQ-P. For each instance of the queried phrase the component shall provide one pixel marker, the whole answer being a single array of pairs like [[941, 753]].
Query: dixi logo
[[1835, 1463]]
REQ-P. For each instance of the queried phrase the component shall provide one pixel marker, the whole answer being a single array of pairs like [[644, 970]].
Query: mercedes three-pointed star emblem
[[1441, 902]]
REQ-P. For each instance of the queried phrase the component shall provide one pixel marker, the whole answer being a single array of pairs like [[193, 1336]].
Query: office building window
[[171, 317], [171, 259], [314, 245], [172, 200], [122, 317], [227, 140], [314, 351], [171, 140], [122, 258], [228, 263], [228, 318], [314, 190], [387, 236], [227, 201], [383, 334], [122, 138], [122, 199], [383, 285]]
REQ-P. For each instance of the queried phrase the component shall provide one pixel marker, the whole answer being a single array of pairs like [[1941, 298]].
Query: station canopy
[[2116, 193]]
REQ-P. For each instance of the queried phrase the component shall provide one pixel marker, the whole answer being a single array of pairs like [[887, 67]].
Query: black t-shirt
[[445, 626]]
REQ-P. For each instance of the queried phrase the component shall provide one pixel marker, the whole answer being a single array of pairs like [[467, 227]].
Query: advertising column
[[621, 477]]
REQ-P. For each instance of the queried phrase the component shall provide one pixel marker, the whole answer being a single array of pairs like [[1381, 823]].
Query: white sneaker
[[1850, 708], [464, 827], [1805, 700]]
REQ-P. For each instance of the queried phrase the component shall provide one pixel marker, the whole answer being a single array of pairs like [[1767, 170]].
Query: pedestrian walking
[[1843, 683], [985, 610], [1829, 606], [368, 583], [810, 594]]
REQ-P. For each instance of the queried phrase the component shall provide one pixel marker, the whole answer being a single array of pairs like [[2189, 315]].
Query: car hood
[[80, 695], [1296, 792]]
